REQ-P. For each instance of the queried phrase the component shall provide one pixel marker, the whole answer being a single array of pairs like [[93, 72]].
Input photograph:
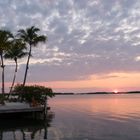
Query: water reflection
[[96, 117], [25, 129]]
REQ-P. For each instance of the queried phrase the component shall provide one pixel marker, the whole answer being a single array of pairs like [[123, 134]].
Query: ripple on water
[[97, 117]]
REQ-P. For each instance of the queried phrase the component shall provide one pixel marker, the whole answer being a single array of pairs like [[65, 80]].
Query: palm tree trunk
[[23, 134], [1, 135], [14, 76], [27, 65], [14, 135], [45, 132], [2, 66]]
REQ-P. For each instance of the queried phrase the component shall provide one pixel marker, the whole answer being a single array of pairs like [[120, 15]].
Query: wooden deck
[[20, 109]]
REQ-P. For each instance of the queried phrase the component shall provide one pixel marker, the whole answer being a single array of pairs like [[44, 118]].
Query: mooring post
[[45, 131], [45, 108], [1, 135]]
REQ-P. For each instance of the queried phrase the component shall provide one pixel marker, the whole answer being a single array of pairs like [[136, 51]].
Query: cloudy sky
[[93, 45]]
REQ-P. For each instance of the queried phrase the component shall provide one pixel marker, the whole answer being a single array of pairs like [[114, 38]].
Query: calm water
[[82, 117]]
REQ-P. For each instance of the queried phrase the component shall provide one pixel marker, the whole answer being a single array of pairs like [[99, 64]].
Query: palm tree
[[5, 41], [31, 37], [15, 52]]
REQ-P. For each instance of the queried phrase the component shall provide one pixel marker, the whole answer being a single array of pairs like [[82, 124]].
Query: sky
[[93, 45]]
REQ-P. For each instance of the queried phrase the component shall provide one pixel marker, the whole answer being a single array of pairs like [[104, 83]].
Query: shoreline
[[98, 93]]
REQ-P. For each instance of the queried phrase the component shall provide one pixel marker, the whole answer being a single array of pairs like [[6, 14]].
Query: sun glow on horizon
[[115, 91]]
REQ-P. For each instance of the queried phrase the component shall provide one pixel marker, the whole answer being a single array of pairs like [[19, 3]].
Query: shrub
[[36, 94], [2, 98]]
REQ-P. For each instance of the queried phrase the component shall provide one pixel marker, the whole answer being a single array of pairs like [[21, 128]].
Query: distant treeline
[[91, 93]]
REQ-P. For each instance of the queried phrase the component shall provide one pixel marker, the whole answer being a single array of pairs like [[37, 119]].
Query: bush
[[36, 94], [2, 98]]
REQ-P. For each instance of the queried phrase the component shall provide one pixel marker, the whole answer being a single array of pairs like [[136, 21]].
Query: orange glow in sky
[[110, 82]]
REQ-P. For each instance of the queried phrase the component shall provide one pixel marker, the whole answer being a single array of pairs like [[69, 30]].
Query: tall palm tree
[[5, 42], [16, 51], [31, 37]]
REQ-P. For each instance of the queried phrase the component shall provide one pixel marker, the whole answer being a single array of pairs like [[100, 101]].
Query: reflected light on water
[[101, 117], [116, 104]]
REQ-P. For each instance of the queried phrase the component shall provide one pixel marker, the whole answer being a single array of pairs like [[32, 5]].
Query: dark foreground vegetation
[[34, 95]]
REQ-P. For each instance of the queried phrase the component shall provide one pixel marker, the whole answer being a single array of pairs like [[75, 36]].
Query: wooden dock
[[20, 109]]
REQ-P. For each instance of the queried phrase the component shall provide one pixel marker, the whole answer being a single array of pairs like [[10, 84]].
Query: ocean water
[[82, 117]]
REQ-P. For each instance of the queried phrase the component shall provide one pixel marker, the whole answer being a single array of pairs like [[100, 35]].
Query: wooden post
[[45, 131], [1, 135], [45, 108]]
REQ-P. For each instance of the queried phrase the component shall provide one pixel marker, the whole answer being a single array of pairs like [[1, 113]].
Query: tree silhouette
[[16, 51], [5, 42], [31, 37]]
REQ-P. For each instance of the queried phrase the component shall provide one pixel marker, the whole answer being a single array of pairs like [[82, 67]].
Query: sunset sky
[[93, 45]]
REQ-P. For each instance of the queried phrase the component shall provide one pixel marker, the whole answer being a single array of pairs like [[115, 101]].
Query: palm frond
[[30, 36], [34, 29], [16, 50], [5, 39], [39, 39], [23, 54], [21, 31]]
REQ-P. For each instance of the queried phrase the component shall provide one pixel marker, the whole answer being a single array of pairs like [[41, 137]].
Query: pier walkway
[[20, 109]]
